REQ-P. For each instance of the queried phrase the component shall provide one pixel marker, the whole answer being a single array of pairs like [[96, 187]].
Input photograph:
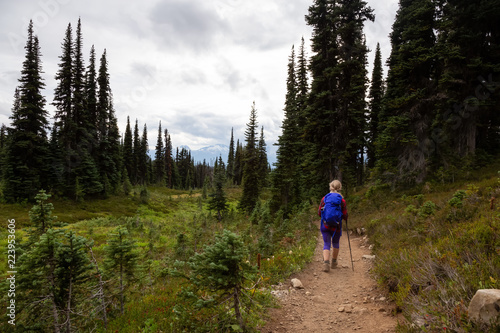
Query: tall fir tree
[[108, 156], [79, 110], [408, 111], [128, 150], [73, 121], [169, 161], [121, 260], [251, 184], [85, 167], [26, 152], [468, 46], [91, 101], [238, 163], [375, 99], [230, 158], [287, 158], [160, 159], [143, 158], [114, 151], [302, 90], [336, 111], [263, 169], [136, 154], [65, 127]]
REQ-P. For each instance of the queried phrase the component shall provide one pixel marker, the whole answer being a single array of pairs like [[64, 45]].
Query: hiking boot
[[326, 266], [334, 263]]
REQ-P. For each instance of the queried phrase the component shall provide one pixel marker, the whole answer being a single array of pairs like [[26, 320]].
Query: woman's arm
[[344, 210]]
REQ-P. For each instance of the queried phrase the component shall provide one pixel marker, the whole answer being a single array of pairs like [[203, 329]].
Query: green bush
[[428, 208]]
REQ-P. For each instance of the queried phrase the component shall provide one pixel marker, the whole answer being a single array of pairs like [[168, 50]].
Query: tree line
[[435, 114], [85, 155]]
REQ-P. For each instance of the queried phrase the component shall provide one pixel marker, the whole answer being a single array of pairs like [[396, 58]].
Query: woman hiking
[[332, 231]]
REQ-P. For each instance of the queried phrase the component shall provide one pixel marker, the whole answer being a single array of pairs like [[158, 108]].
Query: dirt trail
[[338, 301]]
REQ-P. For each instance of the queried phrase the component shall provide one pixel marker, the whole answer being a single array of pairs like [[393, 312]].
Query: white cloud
[[195, 65]]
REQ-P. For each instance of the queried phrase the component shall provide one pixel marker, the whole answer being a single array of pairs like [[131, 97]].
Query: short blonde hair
[[335, 186]]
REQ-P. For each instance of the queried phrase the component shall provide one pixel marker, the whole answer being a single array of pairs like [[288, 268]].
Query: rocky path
[[341, 300]]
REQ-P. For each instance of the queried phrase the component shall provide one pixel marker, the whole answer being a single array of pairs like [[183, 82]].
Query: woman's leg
[[326, 255], [327, 244], [335, 250]]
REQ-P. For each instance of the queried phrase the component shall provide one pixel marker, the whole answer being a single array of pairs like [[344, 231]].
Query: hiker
[[331, 235]]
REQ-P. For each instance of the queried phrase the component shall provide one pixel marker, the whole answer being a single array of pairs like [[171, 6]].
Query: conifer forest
[[118, 234]]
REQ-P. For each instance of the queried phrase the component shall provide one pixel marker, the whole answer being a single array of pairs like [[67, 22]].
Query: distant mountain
[[211, 153]]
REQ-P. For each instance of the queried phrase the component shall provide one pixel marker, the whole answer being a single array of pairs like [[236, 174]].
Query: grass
[[172, 225], [436, 244]]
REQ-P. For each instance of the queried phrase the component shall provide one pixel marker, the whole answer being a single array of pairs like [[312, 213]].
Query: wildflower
[[290, 252]]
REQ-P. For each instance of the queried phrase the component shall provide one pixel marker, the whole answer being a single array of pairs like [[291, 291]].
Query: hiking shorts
[[330, 238]]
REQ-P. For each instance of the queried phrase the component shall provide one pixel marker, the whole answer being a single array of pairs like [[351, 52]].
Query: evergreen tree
[[302, 96], [468, 48], [56, 175], [41, 217], [375, 97], [263, 164], [26, 152], [336, 112], [160, 159], [72, 270], [109, 156], [251, 186], [99, 291], [136, 154], [91, 102], [230, 159], [121, 260], [238, 163], [73, 120], [3, 134], [169, 162], [66, 128], [143, 156], [405, 120], [79, 112], [218, 202], [88, 177], [127, 185], [38, 280], [128, 157], [285, 182], [301, 81], [114, 151], [176, 177], [226, 278]]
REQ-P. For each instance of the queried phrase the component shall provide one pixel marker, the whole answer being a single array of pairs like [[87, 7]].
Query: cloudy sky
[[195, 65]]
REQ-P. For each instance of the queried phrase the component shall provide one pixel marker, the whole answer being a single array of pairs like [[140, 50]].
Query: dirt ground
[[341, 300]]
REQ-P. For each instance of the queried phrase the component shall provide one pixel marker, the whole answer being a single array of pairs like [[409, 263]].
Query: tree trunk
[[121, 288], [52, 284], [68, 308], [237, 308], [100, 292]]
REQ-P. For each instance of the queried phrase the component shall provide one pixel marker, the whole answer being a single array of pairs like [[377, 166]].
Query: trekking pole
[[349, 241]]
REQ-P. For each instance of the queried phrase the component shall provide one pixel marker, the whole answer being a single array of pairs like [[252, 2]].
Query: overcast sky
[[195, 65]]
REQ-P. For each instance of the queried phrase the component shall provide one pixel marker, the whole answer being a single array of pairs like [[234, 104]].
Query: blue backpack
[[331, 214]]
